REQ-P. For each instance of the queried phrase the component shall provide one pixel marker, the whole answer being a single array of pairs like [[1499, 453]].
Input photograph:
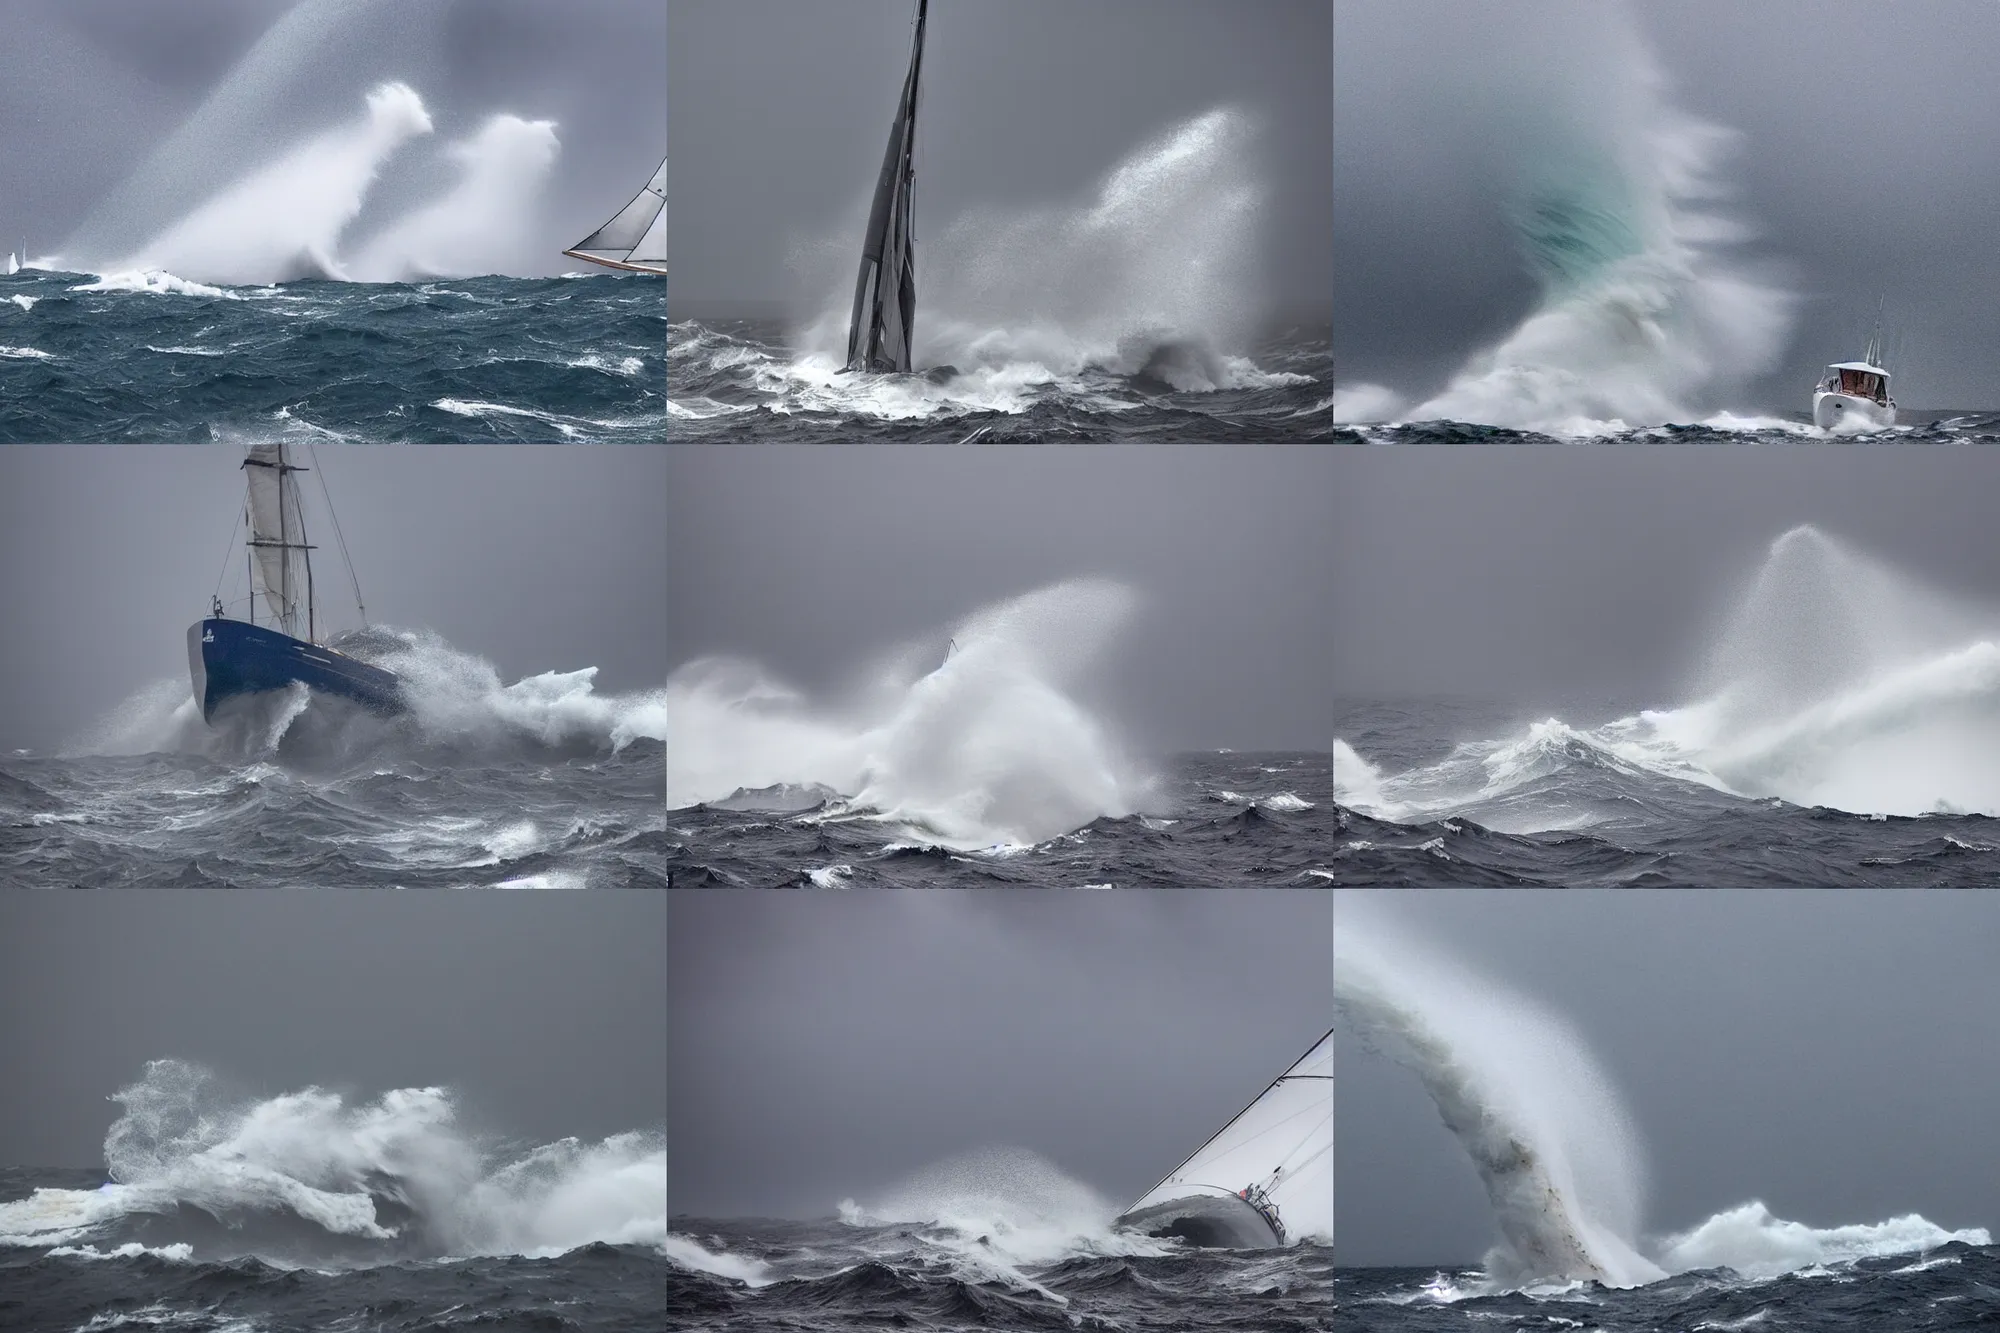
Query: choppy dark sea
[[1596, 820], [743, 380], [184, 1271], [149, 358], [1956, 1286], [815, 1277], [1260, 818], [1914, 426], [544, 783]]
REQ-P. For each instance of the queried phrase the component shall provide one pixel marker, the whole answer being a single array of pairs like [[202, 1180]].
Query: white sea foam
[[998, 1210], [156, 281], [26, 354], [1751, 1241]]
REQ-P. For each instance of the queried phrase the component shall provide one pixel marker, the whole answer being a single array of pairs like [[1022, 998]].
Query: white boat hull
[[1846, 411]]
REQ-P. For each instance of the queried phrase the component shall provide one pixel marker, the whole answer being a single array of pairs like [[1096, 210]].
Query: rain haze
[[1863, 169], [545, 1014], [1825, 1053], [813, 561], [537, 559], [828, 1046], [123, 116], [1027, 104], [1582, 575]]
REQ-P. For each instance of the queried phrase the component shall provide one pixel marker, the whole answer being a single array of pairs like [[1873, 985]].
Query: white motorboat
[[1854, 395]]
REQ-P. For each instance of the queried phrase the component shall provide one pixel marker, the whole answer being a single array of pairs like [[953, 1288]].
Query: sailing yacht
[[1856, 393], [229, 657], [636, 239], [885, 291], [1275, 1154]]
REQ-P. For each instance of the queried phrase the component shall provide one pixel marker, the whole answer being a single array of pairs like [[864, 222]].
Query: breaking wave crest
[[1837, 682], [311, 1176], [1647, 312], [988, 746]]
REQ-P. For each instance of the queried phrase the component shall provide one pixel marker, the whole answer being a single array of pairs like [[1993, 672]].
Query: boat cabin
[[1858, 379]]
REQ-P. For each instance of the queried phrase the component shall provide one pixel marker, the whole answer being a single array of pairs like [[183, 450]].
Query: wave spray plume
[[987, 747]]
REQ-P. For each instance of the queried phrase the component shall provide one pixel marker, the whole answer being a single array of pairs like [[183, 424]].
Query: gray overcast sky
[[546, 1012], [1555, 574], [1829, 1053], [1868, 166], [827, 1045], [811, 560], [785, 108], [89, 88], [533, 557]]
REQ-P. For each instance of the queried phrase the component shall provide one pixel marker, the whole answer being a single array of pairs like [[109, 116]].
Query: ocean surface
[[152, 358], [1458, 792], [1212, 820], [1913, 427], [304, 1212], [754, 1275], [541, 783], [1956, 1286], [748, 380]]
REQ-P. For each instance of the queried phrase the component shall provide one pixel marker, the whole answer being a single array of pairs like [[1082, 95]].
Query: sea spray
[[284, 222], [484, 223], [1546, 1131], [987, 746], [1001, 1205], [1835, 680], [1647, 312], [458, 703], [304, 74], [1156, 274], [315, 1175], [1524, 1096]]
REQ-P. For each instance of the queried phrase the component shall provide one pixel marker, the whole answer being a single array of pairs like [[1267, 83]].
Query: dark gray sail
[[885, 293]]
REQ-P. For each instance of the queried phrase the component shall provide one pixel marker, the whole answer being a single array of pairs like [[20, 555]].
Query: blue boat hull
[[227, 658]]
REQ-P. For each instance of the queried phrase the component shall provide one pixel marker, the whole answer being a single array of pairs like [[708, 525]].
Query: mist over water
[[987, 745], [1546, 1130], [1648, 311]]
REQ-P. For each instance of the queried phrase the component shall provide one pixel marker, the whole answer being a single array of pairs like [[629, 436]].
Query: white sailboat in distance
[[636, 239], [1272, 1162]]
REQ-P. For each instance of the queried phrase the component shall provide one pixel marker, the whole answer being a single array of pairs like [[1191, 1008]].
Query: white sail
[[13, 264], [1282, 1143], [277, 537], [636, 239]]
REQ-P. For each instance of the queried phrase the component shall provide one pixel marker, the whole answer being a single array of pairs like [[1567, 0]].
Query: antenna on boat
[[1874, 353]]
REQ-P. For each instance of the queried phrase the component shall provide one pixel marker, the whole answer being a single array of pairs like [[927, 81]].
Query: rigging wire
[[337, 534], [227, 551]]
